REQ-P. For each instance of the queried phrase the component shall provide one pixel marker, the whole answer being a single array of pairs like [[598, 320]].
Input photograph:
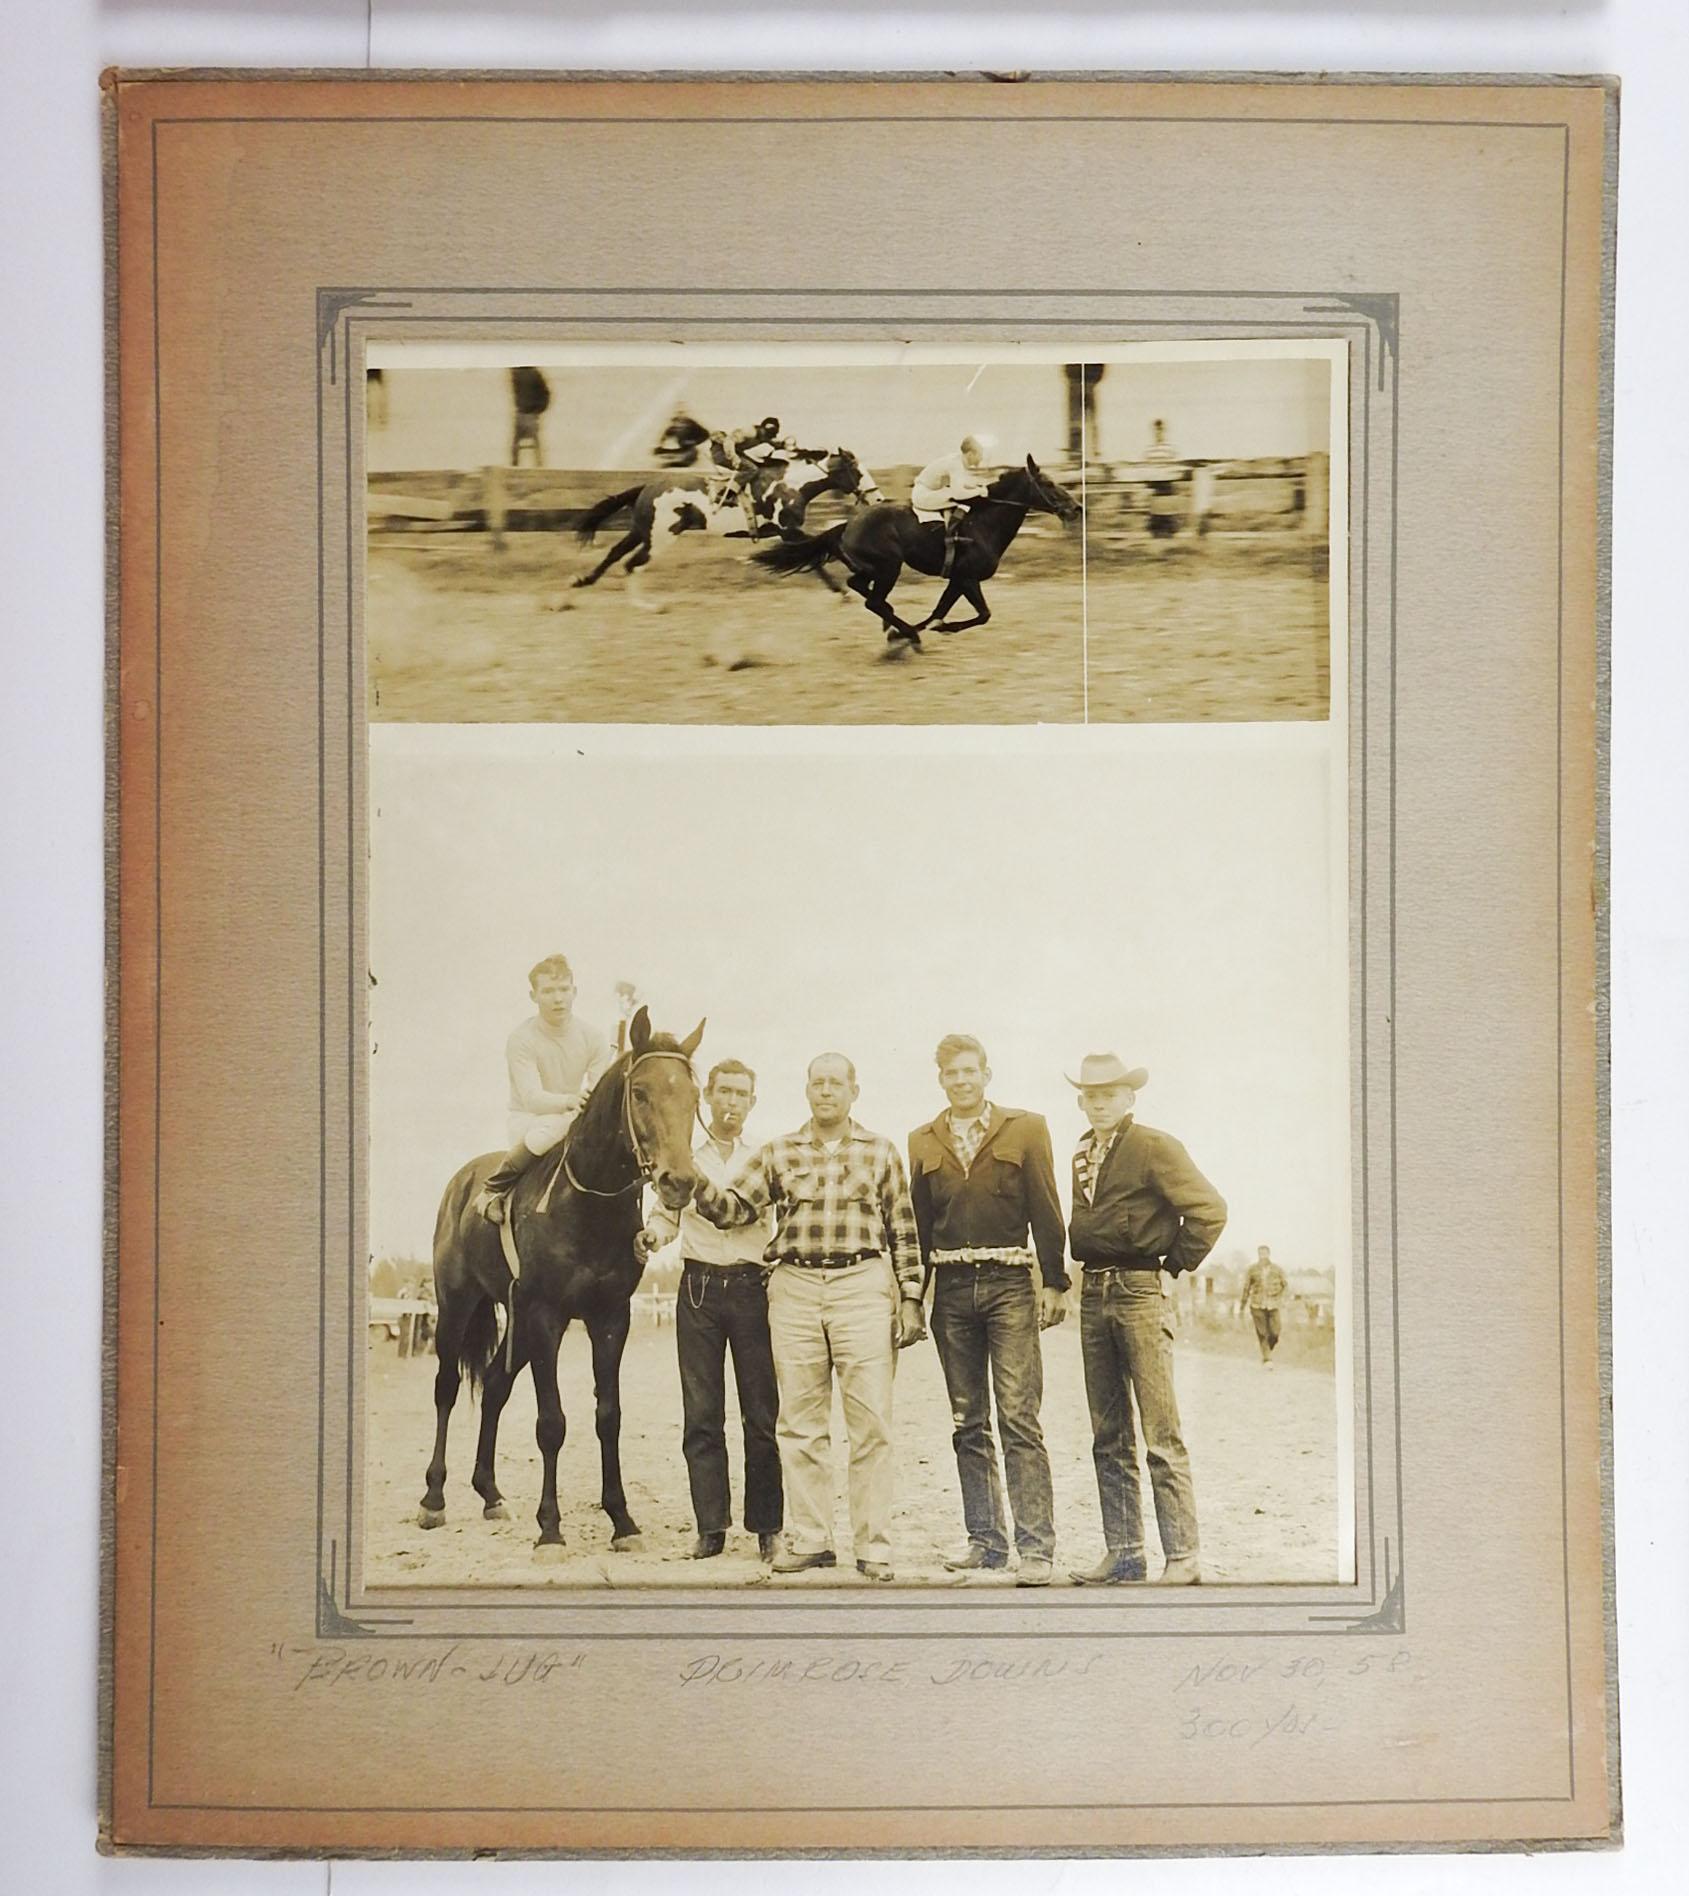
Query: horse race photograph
[[796, 534]]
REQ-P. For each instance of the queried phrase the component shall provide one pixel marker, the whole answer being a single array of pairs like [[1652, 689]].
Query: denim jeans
[[1266, 1331], [985, 1325], [715, 1311], [1126, 1341]]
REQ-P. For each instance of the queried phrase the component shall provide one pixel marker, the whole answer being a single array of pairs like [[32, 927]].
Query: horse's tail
[[478, 1345], [595, 516], [808, 553]]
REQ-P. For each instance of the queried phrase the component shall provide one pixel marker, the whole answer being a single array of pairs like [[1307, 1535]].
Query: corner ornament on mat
[[332, 305], [1383, 309], [1391, 1615]]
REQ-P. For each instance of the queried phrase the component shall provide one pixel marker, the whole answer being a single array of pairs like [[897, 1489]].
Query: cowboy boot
[[489, 1201]]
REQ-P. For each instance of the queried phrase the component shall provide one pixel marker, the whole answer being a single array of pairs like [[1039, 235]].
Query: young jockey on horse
[[944, 485], [554, 1062], [745, 453]]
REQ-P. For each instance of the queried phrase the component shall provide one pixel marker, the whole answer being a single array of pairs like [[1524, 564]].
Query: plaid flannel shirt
[[854, 1199], [1094, 1148]]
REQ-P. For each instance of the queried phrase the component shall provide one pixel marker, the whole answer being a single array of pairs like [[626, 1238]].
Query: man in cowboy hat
[[1140, 1207]]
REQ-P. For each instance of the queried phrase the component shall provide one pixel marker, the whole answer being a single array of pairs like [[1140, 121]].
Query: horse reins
[[632, 1129]]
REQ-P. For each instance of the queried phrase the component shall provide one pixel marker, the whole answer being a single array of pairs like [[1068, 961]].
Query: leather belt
[[843, 1261]]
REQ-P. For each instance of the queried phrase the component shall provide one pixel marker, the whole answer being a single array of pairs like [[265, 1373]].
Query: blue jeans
[[985, 1326], [1127, 1345]]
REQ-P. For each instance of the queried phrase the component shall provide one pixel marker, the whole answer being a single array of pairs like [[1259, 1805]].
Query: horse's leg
[[549, 1430], [878, 602], [623, 547], [609, 1336], [636, 591], [976, 599], [947, 599], [447, 1380], [496, 1386]]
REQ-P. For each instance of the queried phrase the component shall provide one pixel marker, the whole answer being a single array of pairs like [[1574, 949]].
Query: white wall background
[[51, 817]]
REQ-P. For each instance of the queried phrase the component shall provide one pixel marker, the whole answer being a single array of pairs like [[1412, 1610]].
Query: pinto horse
[[662, 509], [876, 543], [575, 1214]]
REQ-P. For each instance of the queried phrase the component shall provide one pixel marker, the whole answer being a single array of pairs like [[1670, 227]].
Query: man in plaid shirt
[[844, 1295]]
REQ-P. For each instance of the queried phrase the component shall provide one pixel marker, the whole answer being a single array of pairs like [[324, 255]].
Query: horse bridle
[[644, 1164]]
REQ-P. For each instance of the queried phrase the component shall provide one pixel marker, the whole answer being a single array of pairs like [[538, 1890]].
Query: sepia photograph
[[790, 534], [805, 1166]]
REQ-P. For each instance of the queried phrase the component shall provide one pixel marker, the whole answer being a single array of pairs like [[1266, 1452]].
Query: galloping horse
[[876, 543], [780, 494], [574, 1215]]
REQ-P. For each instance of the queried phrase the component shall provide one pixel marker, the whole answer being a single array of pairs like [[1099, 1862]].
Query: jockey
[[554, 1061], [942, 487], [745, 452]]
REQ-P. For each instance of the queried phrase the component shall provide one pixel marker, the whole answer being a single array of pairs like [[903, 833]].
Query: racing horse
[[876, 543], [662, 509], [574, 1214]]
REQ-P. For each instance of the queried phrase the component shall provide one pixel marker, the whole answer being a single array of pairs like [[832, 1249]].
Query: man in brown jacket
[[981, 1177], [1140, 1207]]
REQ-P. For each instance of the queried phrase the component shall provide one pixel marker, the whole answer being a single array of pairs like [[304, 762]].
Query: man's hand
[[911, 1322], [646, 1240], [1052, 1306]]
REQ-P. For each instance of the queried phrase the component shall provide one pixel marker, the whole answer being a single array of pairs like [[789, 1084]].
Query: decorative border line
[[345, 317]]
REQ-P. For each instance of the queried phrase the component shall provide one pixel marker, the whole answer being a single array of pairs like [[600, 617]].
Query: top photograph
[[776, 534]]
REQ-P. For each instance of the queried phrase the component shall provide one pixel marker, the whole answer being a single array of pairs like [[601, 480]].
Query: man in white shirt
[[554, 1061], [943, 486], [723, 1305]]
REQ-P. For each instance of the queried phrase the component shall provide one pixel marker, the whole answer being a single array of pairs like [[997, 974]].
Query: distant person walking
[[1265, 1291], [530, 393]]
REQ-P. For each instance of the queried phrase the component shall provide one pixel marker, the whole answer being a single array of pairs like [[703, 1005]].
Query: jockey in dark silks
[[744, 453]]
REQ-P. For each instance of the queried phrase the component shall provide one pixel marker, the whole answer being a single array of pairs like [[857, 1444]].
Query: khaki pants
[[822, 1322]]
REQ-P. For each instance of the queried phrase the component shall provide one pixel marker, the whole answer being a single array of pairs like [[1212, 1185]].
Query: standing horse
[[663, 509], [876, 543], [574, 1214]]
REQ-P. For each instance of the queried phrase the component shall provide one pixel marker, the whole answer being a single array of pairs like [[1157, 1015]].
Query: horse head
[[847, 475], [1046, 497], [662, 1105]]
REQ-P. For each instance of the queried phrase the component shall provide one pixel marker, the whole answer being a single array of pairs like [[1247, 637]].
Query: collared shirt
[[736, 1245], [1093, 1149], [829, 1202], [1265, 1286], [968, 1135]]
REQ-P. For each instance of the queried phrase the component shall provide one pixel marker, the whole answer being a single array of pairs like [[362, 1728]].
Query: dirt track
[[1262, 1449], [461, 633]]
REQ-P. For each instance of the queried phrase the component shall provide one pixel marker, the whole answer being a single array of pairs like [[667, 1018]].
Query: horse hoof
[[550, 1551], [633, 1543], [431, 1517], [495, 1511]]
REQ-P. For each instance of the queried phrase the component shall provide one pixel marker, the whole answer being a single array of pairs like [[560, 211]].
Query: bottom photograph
[[858, 1168]]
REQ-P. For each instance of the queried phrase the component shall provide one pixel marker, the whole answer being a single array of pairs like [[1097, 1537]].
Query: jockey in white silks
[[943, 486]]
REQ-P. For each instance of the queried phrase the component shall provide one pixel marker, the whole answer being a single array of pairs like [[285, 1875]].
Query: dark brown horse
[[876, 543], [575, 1214]]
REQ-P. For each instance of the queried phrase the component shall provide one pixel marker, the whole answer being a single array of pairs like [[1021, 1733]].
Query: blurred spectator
[[531, 394], [1082, 380]]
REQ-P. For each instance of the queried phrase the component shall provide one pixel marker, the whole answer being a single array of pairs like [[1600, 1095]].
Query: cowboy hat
[[1107, 1069]]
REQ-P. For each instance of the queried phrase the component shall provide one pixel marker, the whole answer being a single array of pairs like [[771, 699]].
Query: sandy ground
[[1262, 1443], [461, 633]]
